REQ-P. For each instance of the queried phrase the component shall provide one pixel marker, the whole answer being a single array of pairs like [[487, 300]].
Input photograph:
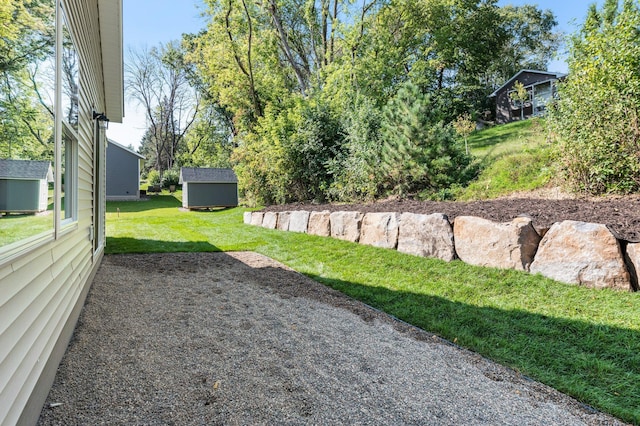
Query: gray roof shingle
[[25, 169], [552, 75], [207, 175]]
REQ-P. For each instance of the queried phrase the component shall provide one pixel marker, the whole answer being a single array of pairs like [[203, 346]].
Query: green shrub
[[598, 111], [286, 158], [420, 153], [153, 178], [170, 177], [356, 168]]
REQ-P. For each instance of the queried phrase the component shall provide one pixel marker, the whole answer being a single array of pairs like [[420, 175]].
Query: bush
[[356, 168], [171, 177], [598, 111], [153, 178], [420, 154], [286, 158]]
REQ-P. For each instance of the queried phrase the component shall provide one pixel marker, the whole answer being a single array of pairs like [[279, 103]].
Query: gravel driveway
[[236, 338]]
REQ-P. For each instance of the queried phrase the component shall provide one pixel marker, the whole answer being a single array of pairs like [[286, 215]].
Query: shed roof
[[26, 170], [124, 148], [207, 175], [552, 75]]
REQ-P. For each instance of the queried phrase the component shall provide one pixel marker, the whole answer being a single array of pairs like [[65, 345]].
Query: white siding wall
[[42, 292]]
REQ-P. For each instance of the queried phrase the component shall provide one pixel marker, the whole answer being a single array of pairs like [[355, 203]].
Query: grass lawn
[[513, 157], [507, 139], [16, 227], [580, 341]]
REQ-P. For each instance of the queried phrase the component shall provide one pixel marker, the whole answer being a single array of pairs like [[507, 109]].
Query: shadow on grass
[[151, 203], [597, 364], [134, 245], [489, 140]]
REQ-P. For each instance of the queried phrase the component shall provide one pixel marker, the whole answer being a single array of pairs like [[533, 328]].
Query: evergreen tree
[[420, 153]]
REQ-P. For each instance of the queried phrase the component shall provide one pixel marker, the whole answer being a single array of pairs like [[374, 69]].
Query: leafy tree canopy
[[598, 113]]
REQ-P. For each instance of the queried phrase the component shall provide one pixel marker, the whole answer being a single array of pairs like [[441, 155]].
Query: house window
[[543, 95], [27, 143], [39, 117]]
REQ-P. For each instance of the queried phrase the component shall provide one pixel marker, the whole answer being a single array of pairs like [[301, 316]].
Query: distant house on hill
[[206, 187], [24, 185], [123, 172], [541, 88]]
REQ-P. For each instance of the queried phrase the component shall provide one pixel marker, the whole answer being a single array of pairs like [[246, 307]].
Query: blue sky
[[150, 22], [147, 23], [570, 15]]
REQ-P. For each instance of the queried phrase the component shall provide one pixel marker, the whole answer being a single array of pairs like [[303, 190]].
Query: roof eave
[[111, 141], [556, 75], [112, 57]]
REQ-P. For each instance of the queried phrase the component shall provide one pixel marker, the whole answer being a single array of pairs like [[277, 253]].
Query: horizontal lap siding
[[41, 292]]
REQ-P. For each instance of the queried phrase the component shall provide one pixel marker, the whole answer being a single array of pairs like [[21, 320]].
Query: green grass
[[580, 341], [16, 227], [497, 141], [513, 157], [527, 170]]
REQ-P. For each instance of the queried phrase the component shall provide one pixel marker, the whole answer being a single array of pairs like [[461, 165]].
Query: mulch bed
[[620, 214]]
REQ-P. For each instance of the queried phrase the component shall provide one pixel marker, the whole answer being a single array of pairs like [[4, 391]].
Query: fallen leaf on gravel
[[216, 385]]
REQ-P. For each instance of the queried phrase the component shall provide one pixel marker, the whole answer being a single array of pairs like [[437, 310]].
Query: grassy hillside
[[514, 157]]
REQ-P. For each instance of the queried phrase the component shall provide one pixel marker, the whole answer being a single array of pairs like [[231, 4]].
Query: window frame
[[66, 151], [67, 221]]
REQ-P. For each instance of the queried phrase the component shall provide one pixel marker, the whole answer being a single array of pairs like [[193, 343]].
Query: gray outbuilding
[[207, 187], [123, 172], [541, 90], [24, 185]]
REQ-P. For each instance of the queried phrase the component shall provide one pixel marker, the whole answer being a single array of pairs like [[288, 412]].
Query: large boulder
[[319, 224], [426, 235], [283, 221], [633, 264], [582, 253], [346, 225], [246, 217], [509, 245], [379, 230], [270, 220], [256, 218], [298, 221]]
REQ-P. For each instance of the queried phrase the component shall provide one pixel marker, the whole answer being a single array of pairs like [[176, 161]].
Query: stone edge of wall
[[581, 253]]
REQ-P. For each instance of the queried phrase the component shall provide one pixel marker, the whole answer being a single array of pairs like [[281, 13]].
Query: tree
[[464, 126], [26, 45], [27, 35], [519, 95], [291, 77], [356, 167], [209, 142], [597, 116], [530, 43], [420, 153], [159, 80]]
